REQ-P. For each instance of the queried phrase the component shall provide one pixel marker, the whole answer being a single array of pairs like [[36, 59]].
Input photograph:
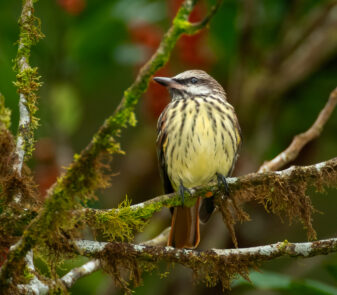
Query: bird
[[198, 141]]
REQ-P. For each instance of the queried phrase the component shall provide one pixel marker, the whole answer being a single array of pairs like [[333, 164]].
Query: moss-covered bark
[[27, 77]]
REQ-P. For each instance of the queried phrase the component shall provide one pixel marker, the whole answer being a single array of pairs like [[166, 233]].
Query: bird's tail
[[185, 227]]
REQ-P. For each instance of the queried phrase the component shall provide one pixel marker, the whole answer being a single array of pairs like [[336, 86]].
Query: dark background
[[277, 72]]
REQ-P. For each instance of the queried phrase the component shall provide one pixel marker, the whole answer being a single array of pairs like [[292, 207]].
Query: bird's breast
[[202, 139]]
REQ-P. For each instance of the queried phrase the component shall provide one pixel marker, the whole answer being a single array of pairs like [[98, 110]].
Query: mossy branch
[[282, 193], [27, 82], [210, 266], [86, 173]]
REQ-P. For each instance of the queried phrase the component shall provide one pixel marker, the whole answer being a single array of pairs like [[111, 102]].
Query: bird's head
[[192, 83]]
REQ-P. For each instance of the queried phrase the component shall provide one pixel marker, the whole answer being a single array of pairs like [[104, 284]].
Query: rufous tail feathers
[[185, 227]]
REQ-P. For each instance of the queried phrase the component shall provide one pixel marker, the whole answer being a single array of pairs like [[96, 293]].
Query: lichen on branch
[[209, 266], [28, 81]]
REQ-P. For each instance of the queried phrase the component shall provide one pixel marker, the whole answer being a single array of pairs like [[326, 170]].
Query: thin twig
[[72, 276], [203, 23], [159, 240], [302, 139]]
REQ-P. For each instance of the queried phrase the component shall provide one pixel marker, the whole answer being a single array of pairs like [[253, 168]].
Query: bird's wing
[[161, 146]]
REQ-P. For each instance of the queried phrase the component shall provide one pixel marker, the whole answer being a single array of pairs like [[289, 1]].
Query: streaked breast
[[203, 137]]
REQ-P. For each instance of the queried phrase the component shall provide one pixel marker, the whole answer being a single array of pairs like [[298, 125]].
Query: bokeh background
[[277, 60]]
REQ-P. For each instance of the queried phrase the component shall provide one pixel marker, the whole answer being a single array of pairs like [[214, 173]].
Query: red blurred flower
[[149, 36], [145, 34], [73, 7], [47, 169], [156, 96]]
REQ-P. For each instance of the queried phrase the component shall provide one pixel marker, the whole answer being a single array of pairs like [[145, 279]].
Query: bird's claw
[[223, 183], [182, 190]]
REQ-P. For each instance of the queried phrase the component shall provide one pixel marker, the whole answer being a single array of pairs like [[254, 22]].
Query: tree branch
[[72, 276], [160, 240], [28, 85], [302, 139], [203, 23], [281, 192], [260, 253], [211, 266], [27, 82]]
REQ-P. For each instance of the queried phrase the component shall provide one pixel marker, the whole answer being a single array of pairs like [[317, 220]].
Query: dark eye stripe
[[189, 80], [182, 81]]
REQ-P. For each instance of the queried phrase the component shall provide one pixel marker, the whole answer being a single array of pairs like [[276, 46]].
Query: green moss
[[5, 114], [28, 81], [283, 245], [27, 275], [119, 224], [122, 223]]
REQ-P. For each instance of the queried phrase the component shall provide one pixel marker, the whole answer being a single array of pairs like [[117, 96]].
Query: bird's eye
[[194, 80]]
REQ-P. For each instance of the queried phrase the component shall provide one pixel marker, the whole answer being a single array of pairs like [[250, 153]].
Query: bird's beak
[[167, 82]]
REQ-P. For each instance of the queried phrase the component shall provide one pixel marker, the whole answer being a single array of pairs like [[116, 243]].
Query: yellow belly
[[201, 151]]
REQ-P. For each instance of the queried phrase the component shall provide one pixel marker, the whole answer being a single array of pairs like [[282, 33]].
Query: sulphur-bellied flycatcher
[[198, 142]]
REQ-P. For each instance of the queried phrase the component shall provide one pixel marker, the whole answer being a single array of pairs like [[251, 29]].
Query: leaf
[[332, 269], [279, 282]]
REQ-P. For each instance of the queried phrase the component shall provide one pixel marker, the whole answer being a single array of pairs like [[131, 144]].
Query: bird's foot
[[222, 183], [182, 190]]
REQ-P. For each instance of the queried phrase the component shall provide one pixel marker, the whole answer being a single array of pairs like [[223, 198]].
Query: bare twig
[[37, 287], [159, 240], [203, 23], [72, 276], [302, 139]]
